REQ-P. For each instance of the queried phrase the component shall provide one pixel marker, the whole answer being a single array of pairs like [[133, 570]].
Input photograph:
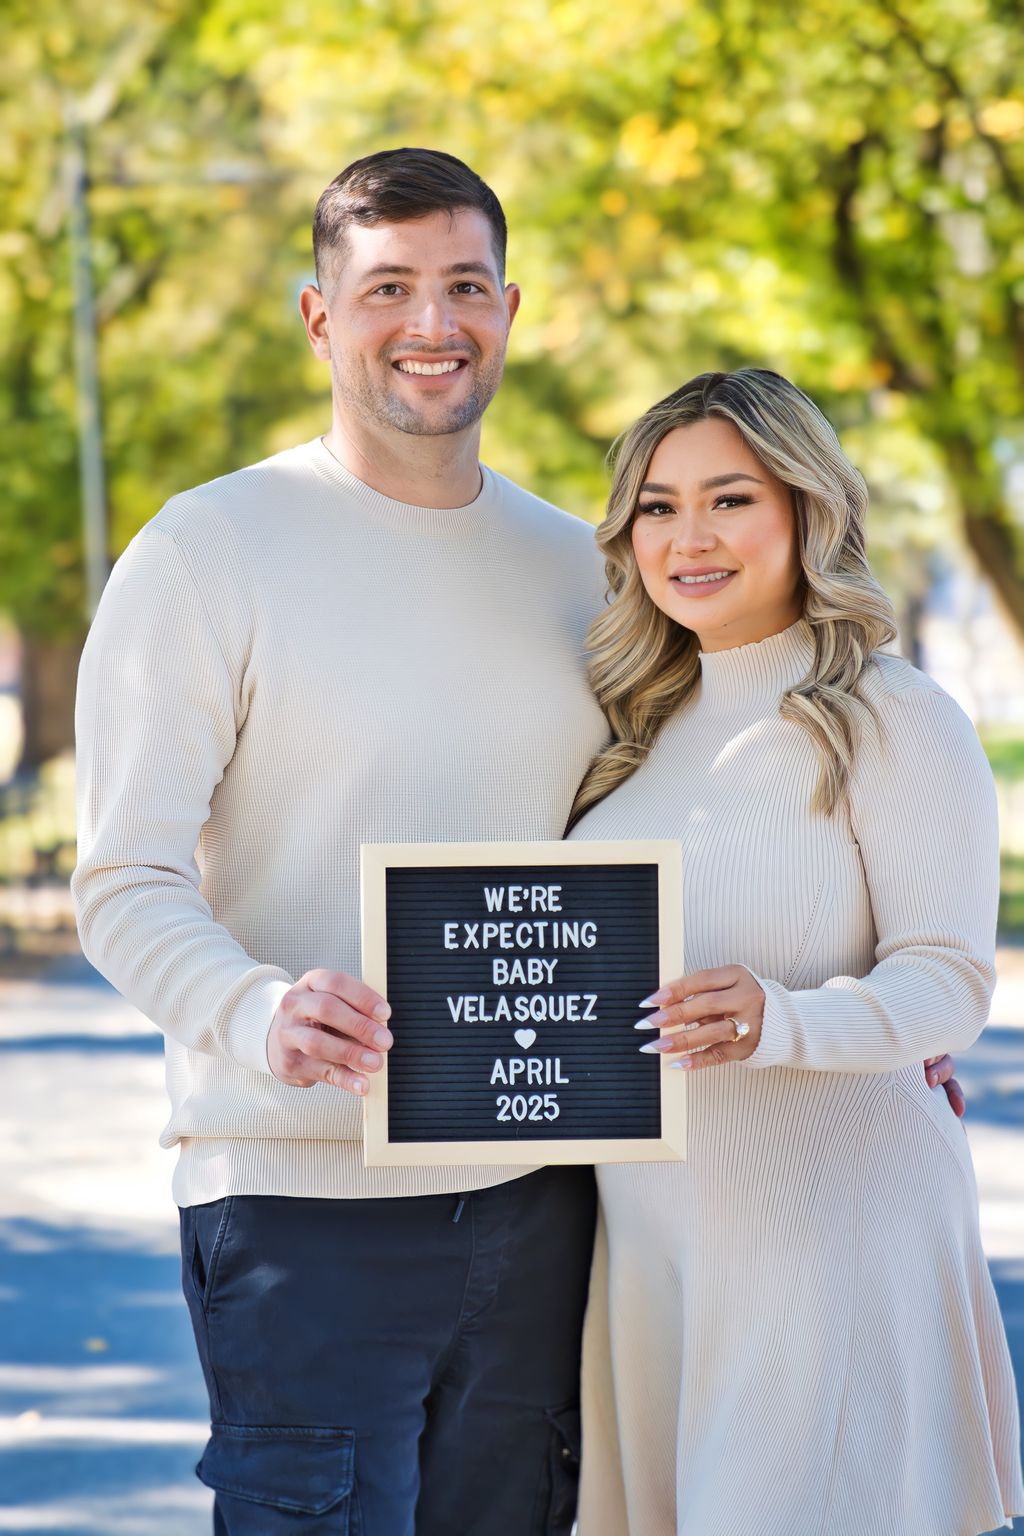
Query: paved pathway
[[102, 1409]]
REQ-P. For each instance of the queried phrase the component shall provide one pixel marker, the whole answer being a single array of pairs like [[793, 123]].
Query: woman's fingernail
[[371, 1059], [383, 1038], [661, 996], [359, 1085], [654, 1046], [646, 1024], [683, 1064], [382, 1012], [933, 1079]]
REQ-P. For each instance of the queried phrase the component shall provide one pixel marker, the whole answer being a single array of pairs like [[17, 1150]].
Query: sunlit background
[[834, 189]]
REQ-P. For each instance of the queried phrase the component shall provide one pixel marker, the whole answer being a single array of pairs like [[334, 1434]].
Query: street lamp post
[[92, 479], [87, 385]]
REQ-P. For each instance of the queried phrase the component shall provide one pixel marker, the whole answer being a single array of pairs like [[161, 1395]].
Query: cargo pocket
[[302, 1481], [560, 1480]]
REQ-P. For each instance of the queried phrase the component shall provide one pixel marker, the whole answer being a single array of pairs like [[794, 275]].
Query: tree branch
[[955, 89], [849, 267]]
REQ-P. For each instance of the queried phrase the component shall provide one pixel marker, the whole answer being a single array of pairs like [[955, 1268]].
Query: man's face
[[418, 323]]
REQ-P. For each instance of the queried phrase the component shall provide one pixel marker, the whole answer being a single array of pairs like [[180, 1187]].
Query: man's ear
[[512, 297], [314, 318]]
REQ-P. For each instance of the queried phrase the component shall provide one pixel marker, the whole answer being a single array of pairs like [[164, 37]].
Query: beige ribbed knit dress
[[804, 1338]]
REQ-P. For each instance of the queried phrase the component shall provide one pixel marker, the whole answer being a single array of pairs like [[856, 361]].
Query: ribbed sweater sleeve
[[156, 725], [923, 812]]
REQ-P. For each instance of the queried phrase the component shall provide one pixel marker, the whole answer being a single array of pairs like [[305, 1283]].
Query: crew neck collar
[[764, 669], [385, 510]]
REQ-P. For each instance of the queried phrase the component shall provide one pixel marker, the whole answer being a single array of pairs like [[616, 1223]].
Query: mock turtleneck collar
[[385, 510], [759, 672]]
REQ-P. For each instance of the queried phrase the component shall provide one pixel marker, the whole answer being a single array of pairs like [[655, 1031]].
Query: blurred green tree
[[833, 190]]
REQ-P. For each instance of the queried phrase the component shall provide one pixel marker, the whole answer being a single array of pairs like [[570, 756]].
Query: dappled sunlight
[[169, 1509], [36, 1427]]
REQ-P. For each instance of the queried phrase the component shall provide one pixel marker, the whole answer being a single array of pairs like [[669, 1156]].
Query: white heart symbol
[[525, 1038]]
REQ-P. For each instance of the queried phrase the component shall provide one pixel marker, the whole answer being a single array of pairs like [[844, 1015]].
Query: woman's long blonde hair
[[643, 665]]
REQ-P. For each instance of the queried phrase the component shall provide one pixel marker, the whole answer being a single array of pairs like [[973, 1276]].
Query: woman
[[804, 1339]]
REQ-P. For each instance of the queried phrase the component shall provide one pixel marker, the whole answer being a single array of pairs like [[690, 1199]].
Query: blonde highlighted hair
[[643, 665]]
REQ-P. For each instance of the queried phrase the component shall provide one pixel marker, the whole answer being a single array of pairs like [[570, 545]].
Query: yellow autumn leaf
[[1003, 119]]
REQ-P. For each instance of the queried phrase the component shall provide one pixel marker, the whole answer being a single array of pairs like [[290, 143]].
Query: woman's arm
[[923, 811]]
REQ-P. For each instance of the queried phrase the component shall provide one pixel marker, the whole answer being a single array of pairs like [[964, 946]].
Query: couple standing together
[[373, 638]]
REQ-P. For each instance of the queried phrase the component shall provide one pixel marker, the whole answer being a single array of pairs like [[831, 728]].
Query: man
[[365, 639], [369, 638]]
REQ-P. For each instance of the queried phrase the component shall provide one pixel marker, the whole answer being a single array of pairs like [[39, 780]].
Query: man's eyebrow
[[654, 488], [457, 269], [388, 271], [479, 267]]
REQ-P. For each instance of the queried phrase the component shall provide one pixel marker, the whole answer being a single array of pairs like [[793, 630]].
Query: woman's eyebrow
[[718, 480], [655, 488]]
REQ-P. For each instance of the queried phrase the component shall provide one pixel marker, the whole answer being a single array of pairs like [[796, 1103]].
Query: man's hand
[[939, 1072], [329, 1028]]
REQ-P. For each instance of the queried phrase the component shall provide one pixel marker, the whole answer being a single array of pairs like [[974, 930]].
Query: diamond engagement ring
[[741, 1029]]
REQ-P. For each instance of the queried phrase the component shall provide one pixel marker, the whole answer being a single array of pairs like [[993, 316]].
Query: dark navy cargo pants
[[381, 1368]]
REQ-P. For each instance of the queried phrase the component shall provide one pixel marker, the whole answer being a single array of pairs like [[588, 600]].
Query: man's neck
[[422, 471]]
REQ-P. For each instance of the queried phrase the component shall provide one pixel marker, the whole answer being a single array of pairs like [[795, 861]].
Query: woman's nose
[[692, 534]]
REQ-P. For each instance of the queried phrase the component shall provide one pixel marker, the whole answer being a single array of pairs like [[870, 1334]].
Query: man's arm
[[157, 720]]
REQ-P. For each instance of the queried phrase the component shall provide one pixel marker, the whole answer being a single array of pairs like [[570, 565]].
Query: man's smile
[[424, 367]]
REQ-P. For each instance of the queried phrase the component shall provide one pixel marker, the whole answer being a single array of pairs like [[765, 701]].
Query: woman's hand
[[700, 1016], [707, 1018]]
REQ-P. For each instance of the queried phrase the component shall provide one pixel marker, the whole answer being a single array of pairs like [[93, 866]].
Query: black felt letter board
[[514, 990]]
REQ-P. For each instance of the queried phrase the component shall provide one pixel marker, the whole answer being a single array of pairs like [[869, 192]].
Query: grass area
[[37, 855], [37, 825], [1011, 899], [1005, 753]]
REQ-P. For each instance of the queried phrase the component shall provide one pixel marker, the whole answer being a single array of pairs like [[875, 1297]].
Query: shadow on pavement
[[149, 1044], [103, 1405]]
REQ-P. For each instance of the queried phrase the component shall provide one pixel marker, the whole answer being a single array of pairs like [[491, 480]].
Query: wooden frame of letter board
[[378, 858]]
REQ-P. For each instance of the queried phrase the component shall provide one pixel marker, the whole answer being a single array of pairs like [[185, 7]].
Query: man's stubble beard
[[368, 399]]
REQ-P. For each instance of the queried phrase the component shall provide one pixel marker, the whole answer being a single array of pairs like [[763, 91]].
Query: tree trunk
[[49, 671], [990, 537], [996, 551]]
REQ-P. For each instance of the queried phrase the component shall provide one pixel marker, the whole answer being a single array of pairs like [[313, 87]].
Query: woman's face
[[715, 537]]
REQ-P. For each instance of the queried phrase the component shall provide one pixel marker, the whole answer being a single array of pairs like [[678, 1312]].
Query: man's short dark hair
[[391, 187]]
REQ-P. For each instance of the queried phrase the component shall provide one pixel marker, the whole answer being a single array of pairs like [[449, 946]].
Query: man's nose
[[433, 320]]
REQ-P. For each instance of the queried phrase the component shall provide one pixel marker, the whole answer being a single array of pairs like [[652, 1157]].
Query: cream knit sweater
[[286, 664]]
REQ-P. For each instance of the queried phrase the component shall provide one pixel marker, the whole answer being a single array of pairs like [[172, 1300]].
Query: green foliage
[[1011, 899], [1005, 753], [831, 189]]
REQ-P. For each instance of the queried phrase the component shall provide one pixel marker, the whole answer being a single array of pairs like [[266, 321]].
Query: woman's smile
[[700, 582]]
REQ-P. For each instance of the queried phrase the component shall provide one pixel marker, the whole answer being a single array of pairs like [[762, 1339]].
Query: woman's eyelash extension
[[737, 500]]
